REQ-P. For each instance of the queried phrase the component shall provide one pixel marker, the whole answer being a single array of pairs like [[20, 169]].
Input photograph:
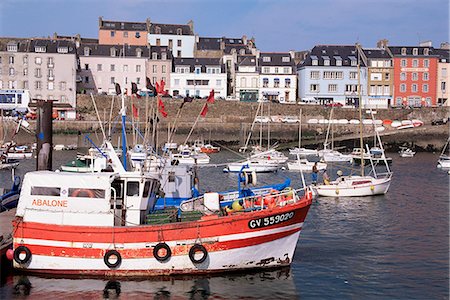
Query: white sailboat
[[444, 158], [406, 152], [302, 164], [300, 150], [360, 185]]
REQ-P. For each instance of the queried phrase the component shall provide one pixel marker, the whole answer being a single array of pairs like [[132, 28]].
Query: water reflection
[[270, 284]]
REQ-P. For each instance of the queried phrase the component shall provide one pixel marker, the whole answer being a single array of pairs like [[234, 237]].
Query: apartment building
[[121, 33], [159, 65], [180, 39], [45, 67], [443, 77]]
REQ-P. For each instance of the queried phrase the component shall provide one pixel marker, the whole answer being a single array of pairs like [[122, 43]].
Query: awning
[[271, 93]]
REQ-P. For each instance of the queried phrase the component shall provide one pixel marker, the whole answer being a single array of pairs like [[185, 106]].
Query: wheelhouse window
[[45, 191], [133, 188]]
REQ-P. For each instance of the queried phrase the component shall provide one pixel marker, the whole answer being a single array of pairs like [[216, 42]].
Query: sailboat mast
[[360, 112], [300, 130]]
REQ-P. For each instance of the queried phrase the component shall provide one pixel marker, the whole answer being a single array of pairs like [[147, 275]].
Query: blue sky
[[277, 25]]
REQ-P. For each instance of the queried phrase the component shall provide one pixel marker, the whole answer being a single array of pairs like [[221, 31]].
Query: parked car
[[334, 104], [290, 119], [262, 119], [440, 121]]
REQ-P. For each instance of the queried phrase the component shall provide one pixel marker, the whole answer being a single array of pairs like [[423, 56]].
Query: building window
[[266, 58], [51, 86], [86, 79], [176, 82], [286, 70], [198, 70], [415, 51], [154, 80], [112, 52], [99, 67], [276, 82], [39, 49], [12, 48], [25, 72], [25, 60], [426, 51], [158, 42], [63, 99], [157, 30], [403, 76], [425, 76], [164, 56], [86, 66], [387, 76], [163, 69], [443, 86], [113, 80], [315, 62], [179, 43], [287, 83], [154, 55], [125, 34], [276, 70], [338, 62], [63, 50], [125, 68], [314, 75], [154, 68], [425, 88], [285, 59], [218, 82], [426, 62], [266, 70], [414, 88], [402, 87], [112, 68], [265, 82], [38, 85], [138, 53], [11, 60], [415, 63], [112, 33], [243, 82], [138, 68], [387, 90], [179, 53], [403, 62], [170, 44], [179, 31], [11, 71], [326, 62], [50, 62], [37, 73], [414, 77], [403, 51], [314, 88], [87, 51], [62, 85], [25, 85], [332, 88]]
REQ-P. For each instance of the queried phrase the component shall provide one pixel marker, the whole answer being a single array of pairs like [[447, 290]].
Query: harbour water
[[394, 246]]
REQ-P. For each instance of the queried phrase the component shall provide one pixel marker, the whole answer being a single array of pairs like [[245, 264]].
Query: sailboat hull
[[354, 186]]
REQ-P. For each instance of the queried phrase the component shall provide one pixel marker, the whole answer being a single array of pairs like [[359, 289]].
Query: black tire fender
[[198, 248], [160, 246]]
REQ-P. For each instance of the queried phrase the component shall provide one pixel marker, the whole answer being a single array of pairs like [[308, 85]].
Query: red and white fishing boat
[[208, 148], [103, 224]]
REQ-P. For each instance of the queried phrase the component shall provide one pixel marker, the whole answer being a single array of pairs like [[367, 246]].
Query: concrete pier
[[5, 239]]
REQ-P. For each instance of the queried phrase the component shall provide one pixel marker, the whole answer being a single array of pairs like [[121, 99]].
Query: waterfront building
[[247, 78], [277, 80], [380, 78], [329, 74], [415, 75], [45, 67], [196, 77], [121, 33], [443, 76], [101, 66], [180, 39], [159, 65]]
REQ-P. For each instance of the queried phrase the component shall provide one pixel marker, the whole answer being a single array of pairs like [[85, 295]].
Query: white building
[[101, 66], [278, 79], [247, 78], [180, 39], [197, 77]]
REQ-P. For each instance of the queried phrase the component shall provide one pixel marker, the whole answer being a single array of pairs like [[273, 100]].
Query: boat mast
[[300, 130], [360, 112]]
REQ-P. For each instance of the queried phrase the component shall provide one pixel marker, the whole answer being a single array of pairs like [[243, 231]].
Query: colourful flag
[[210, 97], [161, 86], [161, 108], [158, 90], [135, 111], [134, 90], [149, 86], [186, 99], [204, 110]]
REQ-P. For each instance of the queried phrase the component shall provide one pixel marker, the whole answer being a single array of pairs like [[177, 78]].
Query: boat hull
[[258, 239], [357, 186]]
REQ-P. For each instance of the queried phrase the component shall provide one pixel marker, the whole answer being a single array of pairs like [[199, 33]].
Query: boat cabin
[[88, 199]]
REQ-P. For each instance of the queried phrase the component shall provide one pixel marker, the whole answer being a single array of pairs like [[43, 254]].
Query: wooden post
[[44, 135]]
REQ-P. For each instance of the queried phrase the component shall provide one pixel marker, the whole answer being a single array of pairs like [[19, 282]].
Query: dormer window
[[63, 50], [242, 51], [326, 60], [154, 55], [415, 51], [163, 56], [39, 49], [179, 31], [403, 51], [338, 60], [266, 59], [198, 70], [426, 51], [87, 51], [12, 47], [138, 52], [158, 30], [285, 59], [314, 60], [353, 61], [112, 51]]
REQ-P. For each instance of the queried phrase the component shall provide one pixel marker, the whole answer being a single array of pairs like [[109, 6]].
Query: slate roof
[[346, 52], [443, 54], [203, 62], [159, 50], [105, 50], [246, 60], [126, 26], [376, 53], [397, 50], [170, 29], [28, 45], [276, 59], [206, 43]]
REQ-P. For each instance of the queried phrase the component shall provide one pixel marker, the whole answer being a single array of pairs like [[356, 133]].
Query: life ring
[[198, 248], [19, 250], [82, 193], [110, 253], [160, 246]]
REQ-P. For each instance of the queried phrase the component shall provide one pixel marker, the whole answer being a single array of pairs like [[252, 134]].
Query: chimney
[[292, 53], [382, 44], [445, 45], [222, 44], [100, 22], [426, 44], [197, 38], [191, 25], [148, 23]]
